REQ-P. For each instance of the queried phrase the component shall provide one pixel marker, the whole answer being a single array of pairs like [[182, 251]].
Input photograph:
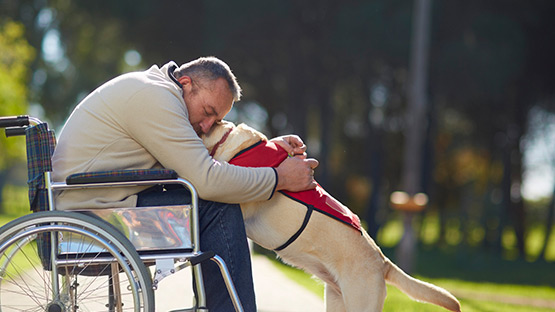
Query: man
[[153, 119]]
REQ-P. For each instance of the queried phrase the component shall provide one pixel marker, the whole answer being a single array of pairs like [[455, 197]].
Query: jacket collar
[[171, 70]]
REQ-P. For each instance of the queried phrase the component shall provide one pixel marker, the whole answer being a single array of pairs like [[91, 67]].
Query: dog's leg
[[363, 289], [334, 300]]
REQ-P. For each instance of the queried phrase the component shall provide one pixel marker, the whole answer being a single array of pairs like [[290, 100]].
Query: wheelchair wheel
[[94, 267]]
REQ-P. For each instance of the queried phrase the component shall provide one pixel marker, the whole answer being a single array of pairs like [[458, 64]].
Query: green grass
[[492, 295], [397, 301], [24, 257], [483, 280], [16, 204], [489, 288], [306, 280]]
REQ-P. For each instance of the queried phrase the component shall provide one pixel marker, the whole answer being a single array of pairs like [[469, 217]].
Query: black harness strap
[[298, 233], [309, 208]]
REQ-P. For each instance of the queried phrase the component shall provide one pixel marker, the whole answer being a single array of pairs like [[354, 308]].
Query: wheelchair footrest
[[202, 257]]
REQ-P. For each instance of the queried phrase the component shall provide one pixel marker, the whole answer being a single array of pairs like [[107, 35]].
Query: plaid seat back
[[40, 146]]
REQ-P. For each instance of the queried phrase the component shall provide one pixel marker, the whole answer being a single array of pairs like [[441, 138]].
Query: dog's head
[[215, 134], [228, 139]]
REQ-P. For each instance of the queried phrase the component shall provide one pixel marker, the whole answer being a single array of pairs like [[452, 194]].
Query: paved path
[[274, 291]]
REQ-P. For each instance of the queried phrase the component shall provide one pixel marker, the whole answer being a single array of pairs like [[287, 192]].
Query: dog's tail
[[419, 290]]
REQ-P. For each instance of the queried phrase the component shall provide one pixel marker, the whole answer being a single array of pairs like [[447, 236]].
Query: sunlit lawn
[[28, 250], [482, 281], [16, 204], [397, 301]]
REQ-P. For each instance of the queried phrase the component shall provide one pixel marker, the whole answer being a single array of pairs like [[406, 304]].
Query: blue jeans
[[222, 230]]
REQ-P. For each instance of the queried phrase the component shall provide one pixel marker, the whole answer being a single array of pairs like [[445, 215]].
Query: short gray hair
[[210, 68]]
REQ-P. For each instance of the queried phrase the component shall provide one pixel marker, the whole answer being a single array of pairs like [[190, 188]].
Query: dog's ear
[[216, 133], [240, 138]]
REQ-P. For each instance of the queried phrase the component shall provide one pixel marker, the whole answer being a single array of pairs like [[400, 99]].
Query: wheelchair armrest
[[121, 176]]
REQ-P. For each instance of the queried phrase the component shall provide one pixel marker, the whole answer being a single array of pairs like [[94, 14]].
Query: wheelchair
[[97, 259]]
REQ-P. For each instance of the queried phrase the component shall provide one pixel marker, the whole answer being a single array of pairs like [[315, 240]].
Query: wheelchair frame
[[50, 230]]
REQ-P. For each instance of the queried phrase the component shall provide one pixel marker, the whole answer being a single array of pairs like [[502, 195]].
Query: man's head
[[209, 90]]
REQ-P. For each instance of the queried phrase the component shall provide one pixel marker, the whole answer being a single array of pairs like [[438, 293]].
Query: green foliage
[[15, 200], [467, 235], [14, 70]]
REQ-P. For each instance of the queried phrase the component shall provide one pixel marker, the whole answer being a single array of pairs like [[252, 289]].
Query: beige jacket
[[140, 121]]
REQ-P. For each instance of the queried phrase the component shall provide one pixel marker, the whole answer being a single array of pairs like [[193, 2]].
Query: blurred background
[[452, 99]]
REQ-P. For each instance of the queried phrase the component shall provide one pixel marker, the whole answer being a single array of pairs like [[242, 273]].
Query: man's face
[[207, 103]]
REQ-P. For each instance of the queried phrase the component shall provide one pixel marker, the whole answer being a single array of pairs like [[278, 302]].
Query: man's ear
[[185, 80]]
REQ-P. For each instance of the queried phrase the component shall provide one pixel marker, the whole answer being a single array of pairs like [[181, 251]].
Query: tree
[[14, 76], [491, 65], [416, 124], [313, 66]]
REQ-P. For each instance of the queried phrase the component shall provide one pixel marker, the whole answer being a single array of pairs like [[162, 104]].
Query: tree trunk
[[326, 118], [548, 226], [375, 169], [416, 125], [518, 211]]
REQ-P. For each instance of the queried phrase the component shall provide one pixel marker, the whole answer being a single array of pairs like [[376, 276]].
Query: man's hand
[[296, 174], [292, 144]]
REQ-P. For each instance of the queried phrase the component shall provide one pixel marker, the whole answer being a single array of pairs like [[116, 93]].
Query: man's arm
[[159, 123]]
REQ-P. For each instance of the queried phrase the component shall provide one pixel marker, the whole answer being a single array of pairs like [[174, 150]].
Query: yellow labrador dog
[[331, 246]]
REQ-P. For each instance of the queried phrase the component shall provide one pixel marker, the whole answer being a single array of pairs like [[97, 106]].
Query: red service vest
[[269, 154]]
